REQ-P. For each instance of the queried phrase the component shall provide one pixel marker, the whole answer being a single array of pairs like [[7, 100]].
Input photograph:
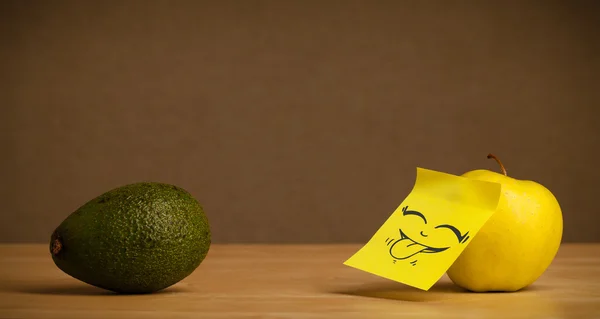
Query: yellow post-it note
[[428, 231]]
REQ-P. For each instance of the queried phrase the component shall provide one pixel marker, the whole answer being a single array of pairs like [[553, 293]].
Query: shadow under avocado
[[82, 290], [397, 291]]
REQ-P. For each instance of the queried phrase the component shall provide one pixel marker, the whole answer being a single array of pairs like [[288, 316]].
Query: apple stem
[[499, 163]]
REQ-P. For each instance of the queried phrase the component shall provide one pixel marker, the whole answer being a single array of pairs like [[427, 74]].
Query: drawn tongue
[[406, 248]]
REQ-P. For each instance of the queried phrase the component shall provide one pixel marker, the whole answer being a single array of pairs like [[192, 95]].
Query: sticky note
[[423, 237]]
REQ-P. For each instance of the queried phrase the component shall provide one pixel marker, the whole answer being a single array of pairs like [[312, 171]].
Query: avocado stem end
[[56, 246]]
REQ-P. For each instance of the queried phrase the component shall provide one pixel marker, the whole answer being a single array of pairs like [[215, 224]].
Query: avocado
[[137, 238]]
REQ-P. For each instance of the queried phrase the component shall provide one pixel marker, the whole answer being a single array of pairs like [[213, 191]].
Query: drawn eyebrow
[[461, 238], [405, 212]]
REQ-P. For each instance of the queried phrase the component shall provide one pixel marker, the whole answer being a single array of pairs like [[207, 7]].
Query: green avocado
[[134, 239]]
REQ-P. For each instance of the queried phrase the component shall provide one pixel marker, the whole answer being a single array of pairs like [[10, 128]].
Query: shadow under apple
[[397, 291], [440, 291]]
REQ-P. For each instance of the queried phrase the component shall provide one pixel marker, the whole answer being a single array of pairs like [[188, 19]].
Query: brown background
[[293, 121]]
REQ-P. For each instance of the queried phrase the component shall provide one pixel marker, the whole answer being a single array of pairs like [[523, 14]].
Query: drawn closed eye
[[461, 238], [405, 212]]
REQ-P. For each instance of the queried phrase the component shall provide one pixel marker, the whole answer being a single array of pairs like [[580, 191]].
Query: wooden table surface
[[292, 281]]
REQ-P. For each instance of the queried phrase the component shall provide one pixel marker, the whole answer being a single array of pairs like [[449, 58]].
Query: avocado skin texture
[[135, 239]]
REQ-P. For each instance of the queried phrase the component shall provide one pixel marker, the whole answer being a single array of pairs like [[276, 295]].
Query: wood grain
[[292, 281]]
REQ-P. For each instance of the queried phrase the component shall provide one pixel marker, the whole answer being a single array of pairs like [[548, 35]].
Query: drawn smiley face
[[422, 238]]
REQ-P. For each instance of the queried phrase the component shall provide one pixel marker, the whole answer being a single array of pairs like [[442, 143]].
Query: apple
[[519, 241]]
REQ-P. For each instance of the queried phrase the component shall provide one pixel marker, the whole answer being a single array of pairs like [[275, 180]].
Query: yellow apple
[[517, 244]]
